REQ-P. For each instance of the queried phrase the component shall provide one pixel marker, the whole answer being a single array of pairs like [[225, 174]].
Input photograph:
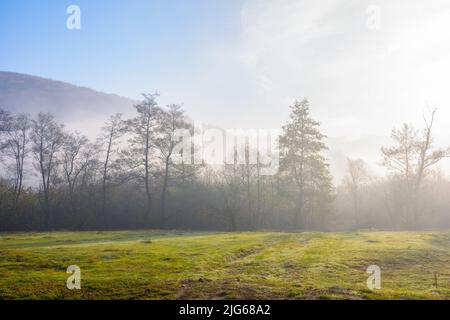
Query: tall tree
[[15, 147], [410, 158], [141, 144], [5, 123], [47, 140], [109, 137], [169, 121], [301, 147], [76, 155]]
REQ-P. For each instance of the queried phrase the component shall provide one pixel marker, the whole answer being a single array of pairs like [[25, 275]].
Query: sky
[[366, 66]]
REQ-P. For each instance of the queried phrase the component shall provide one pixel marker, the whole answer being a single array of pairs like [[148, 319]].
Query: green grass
[[250, 265]]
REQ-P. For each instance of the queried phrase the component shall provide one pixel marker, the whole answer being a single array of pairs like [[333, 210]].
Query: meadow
[[247, 265]]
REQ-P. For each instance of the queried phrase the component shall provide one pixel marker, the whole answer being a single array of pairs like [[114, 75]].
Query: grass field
[[259, 265]]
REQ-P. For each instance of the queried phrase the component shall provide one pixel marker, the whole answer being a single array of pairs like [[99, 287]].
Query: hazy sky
[[366, 66]]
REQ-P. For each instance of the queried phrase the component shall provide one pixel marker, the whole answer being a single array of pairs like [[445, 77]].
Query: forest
[[126, 178]]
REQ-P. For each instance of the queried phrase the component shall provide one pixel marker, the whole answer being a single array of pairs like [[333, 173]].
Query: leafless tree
[[169, 121], [111, 133], [74, 159], [141, 144], [47, 139], [15, 147], [411, 157]]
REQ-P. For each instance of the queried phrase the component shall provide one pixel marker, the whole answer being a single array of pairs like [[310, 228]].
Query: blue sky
[[145, 41]]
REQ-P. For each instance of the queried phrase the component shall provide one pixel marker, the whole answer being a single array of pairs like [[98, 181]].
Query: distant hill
[[69, 103]]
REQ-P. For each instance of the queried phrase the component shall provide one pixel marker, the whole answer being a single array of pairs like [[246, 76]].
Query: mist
[[224, 150]]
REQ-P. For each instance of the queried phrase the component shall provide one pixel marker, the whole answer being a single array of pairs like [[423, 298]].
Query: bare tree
[[169, 121], [411, 156], [138, 157], [74, 160], [15, 148], [399, 158], [259, 186], [47, 138], [111, 133]]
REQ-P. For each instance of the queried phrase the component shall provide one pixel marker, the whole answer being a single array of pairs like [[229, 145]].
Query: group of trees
[[414, 194], [127, 178]]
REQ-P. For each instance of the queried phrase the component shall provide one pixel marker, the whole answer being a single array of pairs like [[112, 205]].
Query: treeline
[[128, 178], [414, 195]]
